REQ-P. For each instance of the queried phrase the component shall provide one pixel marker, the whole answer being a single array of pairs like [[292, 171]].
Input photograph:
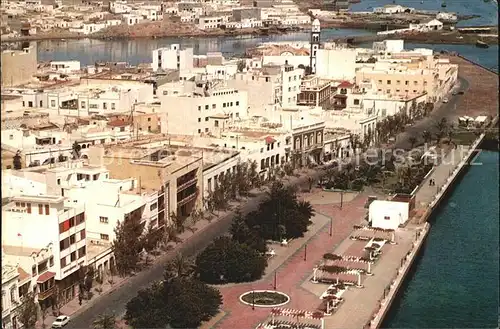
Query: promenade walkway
[[426, 193]]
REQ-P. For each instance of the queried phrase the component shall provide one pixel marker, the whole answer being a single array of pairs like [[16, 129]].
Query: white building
[[132, 19], [269, 86], [10, 295], [65, 67], [119, 7], [389, 46], [172, 58], [388, 214], [31, 223], [392, 9], [336, 64], [204, 111]]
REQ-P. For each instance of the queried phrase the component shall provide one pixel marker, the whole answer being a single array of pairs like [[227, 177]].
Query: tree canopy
[[227, 260], [241, 233], [128, 244], [281, 215], [182, 302], [27, 312]]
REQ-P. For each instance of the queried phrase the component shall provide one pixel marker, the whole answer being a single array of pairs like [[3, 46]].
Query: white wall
[[336, 64], [388, 214]]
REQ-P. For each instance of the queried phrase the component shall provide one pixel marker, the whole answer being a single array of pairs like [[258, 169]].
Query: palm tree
[[104, 321], [179, 266], [76, 150], [441, 127], [17, 161], [413, 140], [427, 136]]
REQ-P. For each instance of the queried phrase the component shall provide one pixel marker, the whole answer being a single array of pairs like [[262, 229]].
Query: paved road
[[429, 123], [115, 302]]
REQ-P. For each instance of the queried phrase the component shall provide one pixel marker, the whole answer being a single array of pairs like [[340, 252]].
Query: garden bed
[[264, 298]]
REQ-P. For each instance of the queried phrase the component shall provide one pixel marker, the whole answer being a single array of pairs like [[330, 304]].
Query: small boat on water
[[443, 5], [482, 44]]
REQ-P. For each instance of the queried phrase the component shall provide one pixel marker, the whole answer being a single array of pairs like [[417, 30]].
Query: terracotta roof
[[270, 140], [118, 123], [45, 277], [345, 84], [22, 274]]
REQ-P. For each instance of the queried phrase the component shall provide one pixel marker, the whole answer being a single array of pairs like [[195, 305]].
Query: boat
[[443, 4], [482, 44]]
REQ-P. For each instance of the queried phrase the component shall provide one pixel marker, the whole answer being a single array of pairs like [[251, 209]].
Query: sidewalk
[[73, 308]]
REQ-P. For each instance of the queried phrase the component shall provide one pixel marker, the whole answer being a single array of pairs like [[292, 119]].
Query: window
[[206, 107], [104, 105], [52, 103], [237, 103], [72, 222], [51, 261], [206, 119], [209, 182], [93, 106], [112, 106], [81, 252], [72, 239], [199, 119], [33, 270], [231, 104], [47, 209], [415, 83], [223, 104], [407, 83], [73, 256], [64, 244], [82, 105], [103, 219], [199, 131], [40, 209], [216, 123], [28, 209], [199, 108], [82, 235], [153, 206], [63, 262], [356, 102], [214, 106], [58, 181], [388, 82], [398, 82], [206, 130], [380, 81], [104, 237], [80, 218]]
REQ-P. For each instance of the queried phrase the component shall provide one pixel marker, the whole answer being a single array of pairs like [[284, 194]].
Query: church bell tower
[[315, 42]]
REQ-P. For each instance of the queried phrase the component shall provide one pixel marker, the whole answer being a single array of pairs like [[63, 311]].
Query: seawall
[[460, 168]]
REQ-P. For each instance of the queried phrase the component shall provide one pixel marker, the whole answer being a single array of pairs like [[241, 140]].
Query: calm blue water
[[487, 10], [139, 50], [455, 282]]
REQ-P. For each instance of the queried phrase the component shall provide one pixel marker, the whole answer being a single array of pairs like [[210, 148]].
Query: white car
[[445, 100], [60, 321]]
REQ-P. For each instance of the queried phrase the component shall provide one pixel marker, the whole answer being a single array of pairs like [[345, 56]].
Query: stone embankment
[[390, 293]]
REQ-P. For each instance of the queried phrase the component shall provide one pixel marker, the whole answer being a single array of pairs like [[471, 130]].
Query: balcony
[[187, 199], [187, 184], [46, 294]]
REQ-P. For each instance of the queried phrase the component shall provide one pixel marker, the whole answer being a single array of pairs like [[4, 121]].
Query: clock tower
[[315, 42]]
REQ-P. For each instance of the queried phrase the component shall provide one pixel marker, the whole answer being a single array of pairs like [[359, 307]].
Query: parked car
[[60, 321], [445, 100], [461, 92]]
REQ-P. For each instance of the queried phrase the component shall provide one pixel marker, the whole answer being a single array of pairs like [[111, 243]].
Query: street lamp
[[331, 226]]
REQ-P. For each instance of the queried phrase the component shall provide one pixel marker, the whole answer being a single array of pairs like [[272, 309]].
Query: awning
[[270, 140], [45, 277]]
